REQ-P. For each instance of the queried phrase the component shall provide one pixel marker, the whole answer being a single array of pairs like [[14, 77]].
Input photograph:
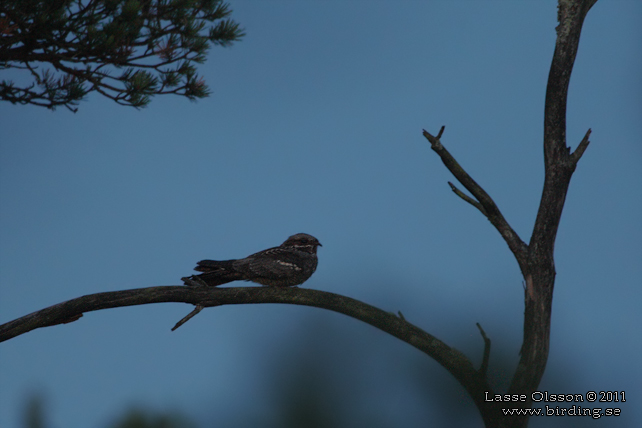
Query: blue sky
[[314, 125]]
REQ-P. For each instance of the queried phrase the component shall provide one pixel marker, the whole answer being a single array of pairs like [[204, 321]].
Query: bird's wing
[[275, 263]]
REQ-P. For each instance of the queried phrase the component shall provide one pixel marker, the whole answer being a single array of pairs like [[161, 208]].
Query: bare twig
[[483, 369], [579, 151], [467, 198], [188, 317]]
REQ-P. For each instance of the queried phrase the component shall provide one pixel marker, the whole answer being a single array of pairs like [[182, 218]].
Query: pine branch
[[81, 41]]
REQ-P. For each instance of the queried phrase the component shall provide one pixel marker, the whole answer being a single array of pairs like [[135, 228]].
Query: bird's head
[[303, 241]]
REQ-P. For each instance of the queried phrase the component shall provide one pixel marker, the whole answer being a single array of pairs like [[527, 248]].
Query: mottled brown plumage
[[289, 264]]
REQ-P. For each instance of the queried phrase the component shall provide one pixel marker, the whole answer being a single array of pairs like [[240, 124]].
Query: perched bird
[[289, 264]]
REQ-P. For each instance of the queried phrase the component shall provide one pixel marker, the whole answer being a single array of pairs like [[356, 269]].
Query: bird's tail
[[214, 273]]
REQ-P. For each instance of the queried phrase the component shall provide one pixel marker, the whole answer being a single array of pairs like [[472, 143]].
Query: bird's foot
[[194, 281]]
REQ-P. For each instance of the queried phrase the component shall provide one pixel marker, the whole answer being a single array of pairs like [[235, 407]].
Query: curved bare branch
[[450, 358]]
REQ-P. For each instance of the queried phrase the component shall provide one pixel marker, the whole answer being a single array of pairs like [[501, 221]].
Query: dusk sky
[[315, 125]]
